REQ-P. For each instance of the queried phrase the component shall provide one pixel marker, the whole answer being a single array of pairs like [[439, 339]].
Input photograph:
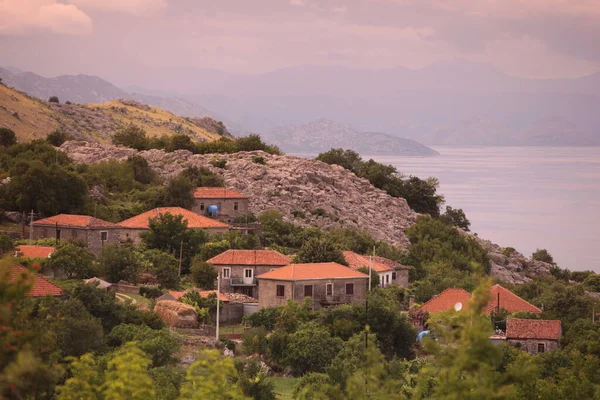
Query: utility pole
[[218, 301], [180, 256], [31, 225]]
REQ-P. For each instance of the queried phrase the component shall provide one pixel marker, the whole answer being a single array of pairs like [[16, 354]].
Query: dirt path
[[123, 297]]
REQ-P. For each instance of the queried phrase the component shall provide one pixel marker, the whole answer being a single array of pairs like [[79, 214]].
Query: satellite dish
[[458, 306]]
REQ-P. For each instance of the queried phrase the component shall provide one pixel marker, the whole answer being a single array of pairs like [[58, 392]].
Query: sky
[[126, 40]]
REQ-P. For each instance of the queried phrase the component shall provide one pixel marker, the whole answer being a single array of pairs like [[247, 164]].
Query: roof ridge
[[443, 291], [517, 296]]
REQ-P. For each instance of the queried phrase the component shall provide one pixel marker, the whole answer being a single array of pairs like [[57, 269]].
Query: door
[[248, 276]]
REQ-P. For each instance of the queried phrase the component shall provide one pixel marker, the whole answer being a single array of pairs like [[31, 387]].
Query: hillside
[[321, 135], [31, 118]]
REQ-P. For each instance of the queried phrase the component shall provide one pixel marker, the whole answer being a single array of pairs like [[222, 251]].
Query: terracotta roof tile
[[533, 329], [300, 272], [203, 293], [73, 220], [41, 287], [217, 193], [509, 301], [356, 261], [250, 257], [390, 263], [28, 251], [446, 300], [194, 220]]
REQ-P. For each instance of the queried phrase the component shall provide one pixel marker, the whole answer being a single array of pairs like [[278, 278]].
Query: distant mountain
[[321, 135], [32, 118], [86, 89]]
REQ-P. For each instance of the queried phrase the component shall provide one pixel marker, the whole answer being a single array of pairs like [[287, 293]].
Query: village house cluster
[[253, 279]]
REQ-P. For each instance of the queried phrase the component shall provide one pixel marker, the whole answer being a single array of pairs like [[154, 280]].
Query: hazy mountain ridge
[[323, 134]]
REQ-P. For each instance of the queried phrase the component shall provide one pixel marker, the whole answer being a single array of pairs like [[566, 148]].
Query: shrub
[[203, 274], [258, 160], [53, 99], [6, 243], [227, 343], [265, 317], [317, 250], [57, 138], [132, 136], [159, 345], [311, 349], [252, 380], [218, 163], [75, 261], [7, 137], [592, 282], [543, 255], [150, 292], [254, 341]]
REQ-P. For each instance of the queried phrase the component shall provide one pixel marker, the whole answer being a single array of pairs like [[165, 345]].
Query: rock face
[[176, 314], [305, 191], [511, 266]]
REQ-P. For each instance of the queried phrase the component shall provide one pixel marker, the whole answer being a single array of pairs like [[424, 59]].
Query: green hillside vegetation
[[31, 118]]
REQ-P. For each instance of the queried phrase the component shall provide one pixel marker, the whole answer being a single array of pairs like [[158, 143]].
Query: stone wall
[[237, 272], [227, 212], [401, 278], [531, 345], [229, 313], [91, 237]]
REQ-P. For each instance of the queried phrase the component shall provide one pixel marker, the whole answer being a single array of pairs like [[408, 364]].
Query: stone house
[[326, 284], [399, 273], [94, 232], [40, 287], [42, 253], [131, 228], [239, 268], [533, 335], [220, 203], [356, 262]]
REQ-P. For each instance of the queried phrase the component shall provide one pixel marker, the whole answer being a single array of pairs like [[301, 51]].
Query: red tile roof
[[217, 193], [533, 329], [447, 300], [194, 220], [356, 261], [73, 220], [35, 251], [250, 257], [41, 287], [509, 301], [390, 263], [299, 272], [203, 293]]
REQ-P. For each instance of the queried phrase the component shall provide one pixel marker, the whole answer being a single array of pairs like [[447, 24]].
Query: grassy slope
[[284, 387], [37, 118]]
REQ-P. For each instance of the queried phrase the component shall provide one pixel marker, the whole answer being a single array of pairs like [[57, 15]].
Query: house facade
[[356, 262], [220, 203], [326, 284], [131, 228], [94, 232], [533, 335], [40, 287], [400, 272], [239, 268]]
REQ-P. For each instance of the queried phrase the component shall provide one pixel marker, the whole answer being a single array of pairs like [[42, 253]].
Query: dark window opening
[[308, 290], [393, 276], [201, 206], [349, 289], [280, 291], [235, 206], [329, 289], [541, 347], [103, 236]]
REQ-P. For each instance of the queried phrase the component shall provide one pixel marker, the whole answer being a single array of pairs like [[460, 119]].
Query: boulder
[[176, 314]]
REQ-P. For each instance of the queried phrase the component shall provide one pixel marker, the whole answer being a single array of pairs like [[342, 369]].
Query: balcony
[[242, 281], [334, 300]]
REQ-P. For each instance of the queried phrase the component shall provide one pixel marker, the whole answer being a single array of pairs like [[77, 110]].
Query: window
[[308, 290], [329, 289], [73, 233], [387, 278], [226, 273], [235, 206], [280, 291], [201, 206], [58, 234], [541, 347], [349, 289], [393, 276], [103, 236], [248, 273], [44, 232]]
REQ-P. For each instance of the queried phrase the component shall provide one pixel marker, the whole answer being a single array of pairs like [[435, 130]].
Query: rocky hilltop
[[305, 191]]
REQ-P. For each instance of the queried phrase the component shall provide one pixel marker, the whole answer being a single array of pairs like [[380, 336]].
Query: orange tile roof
[[250, 257], [509, 301], [390, 263], [203, 293], [356, 261], [217, 193], [446, 300], [299, 272], [41, 287], [194, 220], [34, 251], [73, 220], [533, 329]]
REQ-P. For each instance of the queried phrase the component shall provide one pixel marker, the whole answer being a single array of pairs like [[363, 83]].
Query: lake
[[524, 197]]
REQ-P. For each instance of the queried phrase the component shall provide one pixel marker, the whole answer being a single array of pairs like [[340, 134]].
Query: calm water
[[524, 197]]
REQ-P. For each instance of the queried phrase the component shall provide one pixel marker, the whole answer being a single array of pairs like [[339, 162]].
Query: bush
[[57, 138], [74, 261], [311, 349], [252, 380], [543, 255], [132, 136], [119, 263], [218, 163], [7, 137], [167, 381], [258, 160], [592, 282], [265, 317], [317, 250], [6, 243], [254, 341], [203, 274], [53, 99], [159, 345], [456, 217], [150, 292], [227, 343]]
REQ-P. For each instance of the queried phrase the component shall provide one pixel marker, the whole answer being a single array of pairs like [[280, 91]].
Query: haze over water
[[524, 197]]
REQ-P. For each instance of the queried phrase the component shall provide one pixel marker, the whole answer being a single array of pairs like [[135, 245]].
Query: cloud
[[132, 7], [22, 17]]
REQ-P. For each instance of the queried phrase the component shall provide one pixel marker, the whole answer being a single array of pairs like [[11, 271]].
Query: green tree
[[348, 159], [167, 381], [311, 349], [181, 142], [166, 232], [203, 274], [253, 380], [53, 99], [7, 137], [119, 263], [542, 255], [75, 261], [58, 137], [202, 176], [178, 193], [85, 382], [6, 244], [456, 217], [159, 345], [320, 250], [165, 267], [132, 136], [142, 172], [592, 282], [374, 277], [211, 377], [127, 375]]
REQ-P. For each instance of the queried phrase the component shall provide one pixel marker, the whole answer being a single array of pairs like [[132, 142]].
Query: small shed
[[533, 335]]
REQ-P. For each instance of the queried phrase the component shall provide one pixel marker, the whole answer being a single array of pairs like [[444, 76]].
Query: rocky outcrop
[[511, 266], [305, 191]]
